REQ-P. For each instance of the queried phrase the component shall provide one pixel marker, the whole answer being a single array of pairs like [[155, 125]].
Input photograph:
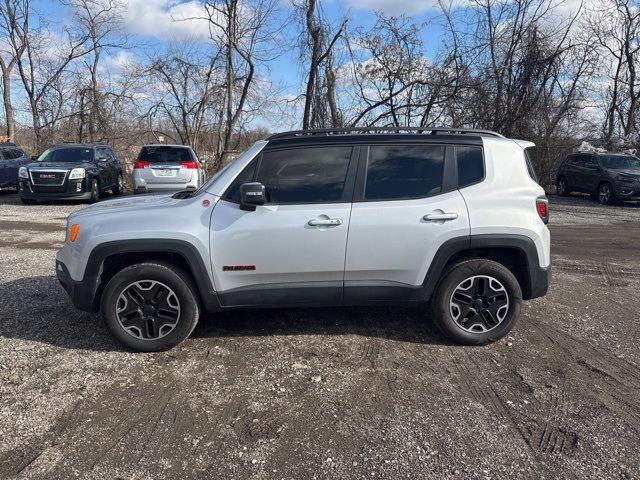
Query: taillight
[[141, 164], [542, 207], [190, 164]]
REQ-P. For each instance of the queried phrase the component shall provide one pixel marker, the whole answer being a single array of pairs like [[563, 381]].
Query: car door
[[290, 250], [591, 173], [105, 167], [114, 165], [571, 172], [5, 177], [406, 206]]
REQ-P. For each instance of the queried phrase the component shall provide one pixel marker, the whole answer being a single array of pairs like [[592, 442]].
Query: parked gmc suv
[[609, 177], [450, 218], [71, 171]]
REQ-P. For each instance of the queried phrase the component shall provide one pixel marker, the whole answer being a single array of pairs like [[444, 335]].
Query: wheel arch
[[109, 258], [517, 253]]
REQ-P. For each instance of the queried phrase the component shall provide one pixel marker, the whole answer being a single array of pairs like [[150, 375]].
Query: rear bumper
[[82, 294], [539, 279]]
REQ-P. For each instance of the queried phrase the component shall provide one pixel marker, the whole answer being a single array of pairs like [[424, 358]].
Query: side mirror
[[102, 159], [34, 157], [251, 194]]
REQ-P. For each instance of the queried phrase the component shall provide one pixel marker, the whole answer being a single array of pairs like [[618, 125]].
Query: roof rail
[[374, 130], [7, 144]]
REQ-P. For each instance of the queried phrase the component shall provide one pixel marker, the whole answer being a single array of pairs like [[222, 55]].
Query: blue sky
[[151, 25]]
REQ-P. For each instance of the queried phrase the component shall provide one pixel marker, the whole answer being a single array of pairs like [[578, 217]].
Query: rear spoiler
[[525, 144]]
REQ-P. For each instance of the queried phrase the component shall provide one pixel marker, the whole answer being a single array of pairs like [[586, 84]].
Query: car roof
[[166, 145], [79, 145], [351, 135]]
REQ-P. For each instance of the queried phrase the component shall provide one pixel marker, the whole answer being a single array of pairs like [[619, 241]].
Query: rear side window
[[397, 172], [470, 165], [304, 175], [530, 169], [165, 154]]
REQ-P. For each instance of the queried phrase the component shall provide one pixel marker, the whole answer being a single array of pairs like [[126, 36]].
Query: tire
[[449, 311], [95, 191], [605, 194], [119, 188], [141, 333], [28, 201], [562, 187]]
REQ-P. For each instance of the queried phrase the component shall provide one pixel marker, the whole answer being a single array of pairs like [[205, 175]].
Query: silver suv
[[167, 168], [453, 219]]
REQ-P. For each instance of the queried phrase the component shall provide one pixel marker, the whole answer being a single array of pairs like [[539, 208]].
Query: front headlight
[[77, 173], [23, 173]]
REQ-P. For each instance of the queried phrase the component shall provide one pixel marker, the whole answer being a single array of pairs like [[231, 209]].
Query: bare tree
[[14, 26], [42, 67], [318, 41], [615, 25], [188, 84], [99, 22]]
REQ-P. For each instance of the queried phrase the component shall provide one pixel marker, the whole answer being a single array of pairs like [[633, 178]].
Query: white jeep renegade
[[453, 218]]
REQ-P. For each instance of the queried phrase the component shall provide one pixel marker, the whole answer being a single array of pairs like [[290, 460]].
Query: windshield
[[70, 154], [247, 154], [617, 162]]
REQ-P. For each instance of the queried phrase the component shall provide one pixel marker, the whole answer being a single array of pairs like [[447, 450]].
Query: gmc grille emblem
[[47, 175]]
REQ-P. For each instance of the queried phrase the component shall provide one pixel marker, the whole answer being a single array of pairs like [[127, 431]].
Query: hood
[[134, 203], [61, 165]]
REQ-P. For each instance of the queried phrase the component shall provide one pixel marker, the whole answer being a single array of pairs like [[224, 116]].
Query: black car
[[71, 171], [608, 176], [12, 158]]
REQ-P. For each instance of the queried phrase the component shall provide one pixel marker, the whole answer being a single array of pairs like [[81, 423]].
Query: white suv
[[166, 168], [447, 217]]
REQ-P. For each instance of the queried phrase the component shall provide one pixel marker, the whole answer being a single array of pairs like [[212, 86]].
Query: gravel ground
[[327, 393]]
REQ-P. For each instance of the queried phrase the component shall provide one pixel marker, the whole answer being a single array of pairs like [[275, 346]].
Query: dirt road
[[328, 393]]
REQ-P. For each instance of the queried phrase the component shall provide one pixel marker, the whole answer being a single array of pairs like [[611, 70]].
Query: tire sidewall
[[174, 279], [453, 278], [611, 200], [564, 192]]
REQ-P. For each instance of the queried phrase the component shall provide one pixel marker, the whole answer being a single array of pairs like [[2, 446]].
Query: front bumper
[[71, 190], [82, 294]]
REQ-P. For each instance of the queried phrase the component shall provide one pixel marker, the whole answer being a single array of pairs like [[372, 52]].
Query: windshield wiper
[[183, 194]]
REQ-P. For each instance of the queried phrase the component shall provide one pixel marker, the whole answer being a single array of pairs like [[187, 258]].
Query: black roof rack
[[376, 130], [7, 144]]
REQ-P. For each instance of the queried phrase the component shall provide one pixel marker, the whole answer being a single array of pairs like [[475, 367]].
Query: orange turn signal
[[73, 232]]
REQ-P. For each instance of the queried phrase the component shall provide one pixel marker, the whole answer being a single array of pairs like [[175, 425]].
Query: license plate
[[165, 172]]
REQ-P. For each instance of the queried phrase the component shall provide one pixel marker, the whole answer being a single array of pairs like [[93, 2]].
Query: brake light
[[138, 164], [190, 164], [542, 207]]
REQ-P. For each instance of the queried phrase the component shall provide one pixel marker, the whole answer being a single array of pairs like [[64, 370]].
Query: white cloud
[[167, 19], [394, 7]]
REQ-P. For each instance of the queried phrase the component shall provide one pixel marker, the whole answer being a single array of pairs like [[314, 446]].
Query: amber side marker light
[[73, 232]]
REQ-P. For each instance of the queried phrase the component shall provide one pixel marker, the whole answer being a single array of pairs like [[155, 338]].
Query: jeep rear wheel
[[150, 306], [478, 301]]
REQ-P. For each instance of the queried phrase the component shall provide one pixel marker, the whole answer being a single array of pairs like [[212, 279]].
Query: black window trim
[[484, 166], [449, 172], [347, 191]]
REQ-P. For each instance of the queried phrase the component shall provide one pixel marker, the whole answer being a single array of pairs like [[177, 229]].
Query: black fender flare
[[94, 268]]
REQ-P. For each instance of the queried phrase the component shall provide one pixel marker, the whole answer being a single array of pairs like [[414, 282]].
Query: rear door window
[[304, 175], [397, 172], [165, 154]]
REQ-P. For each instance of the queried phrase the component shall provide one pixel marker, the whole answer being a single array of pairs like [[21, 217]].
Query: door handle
[[319, 222], [440, 216]]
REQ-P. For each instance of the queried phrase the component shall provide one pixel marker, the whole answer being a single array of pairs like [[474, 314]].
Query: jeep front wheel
[[477, 302], [150, 306]]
